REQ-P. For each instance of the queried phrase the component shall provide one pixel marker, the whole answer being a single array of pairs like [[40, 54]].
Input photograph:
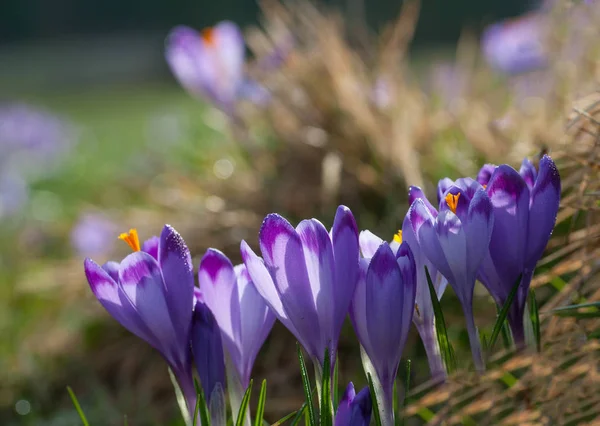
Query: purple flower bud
[[381, 314], [307, 277], [354, 410]]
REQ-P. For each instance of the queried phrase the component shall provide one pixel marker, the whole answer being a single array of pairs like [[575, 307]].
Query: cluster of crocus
[[493, 229], [210, 65]]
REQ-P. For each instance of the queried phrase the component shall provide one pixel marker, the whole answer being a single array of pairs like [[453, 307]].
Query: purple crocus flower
[[93, 234], [243, 316], [525, 206], [209, 64], [381, 313], [485, 173], [515, 46], [456, 241], [307, 277], [153, 297], [354, 409], [207, 348]]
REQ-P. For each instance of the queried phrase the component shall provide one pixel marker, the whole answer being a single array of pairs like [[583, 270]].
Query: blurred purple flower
[[515, 46], [381, 313], [449, 82], [243, 316], [153, 298], [14, 194], [207, 348], [93, 235], [354, 410], [307, 277], [456, 241], [209, 64], [525, 206]]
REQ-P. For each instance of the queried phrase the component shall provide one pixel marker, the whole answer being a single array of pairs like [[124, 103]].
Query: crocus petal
[[111, 297], [346, 253], [545, 198], [369, 243], [528, 173], [178, 275], [468, 187], [415, 192], [485, 173], [406, 263], [442, 187], [217, 282], [142, 281], [256, 322], [354, 410], [112, 269], [283, 254], [358, 307], [207, 349], [453, 242], [478, 228], [344, 411], [230, 50], [150, 246], [510, 197]]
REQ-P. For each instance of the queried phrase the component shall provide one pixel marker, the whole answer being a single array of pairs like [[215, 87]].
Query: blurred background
[[97, 136]]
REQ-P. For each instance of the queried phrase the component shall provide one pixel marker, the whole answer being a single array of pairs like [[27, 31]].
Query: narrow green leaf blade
[[196, 411], [374, 400], [325, 410], [202, 405], [505, 332], [446, 349], [243, 406], [260, 408], [336, 393], [395, 407], [300, 413], [503, 313], [535, 320], [77, 406], [306, 387], [577, 307], [285, 418]]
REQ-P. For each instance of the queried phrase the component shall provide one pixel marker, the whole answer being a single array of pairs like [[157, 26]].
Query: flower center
[[452, 201], [132, 239], [208, 35], [398, 237]]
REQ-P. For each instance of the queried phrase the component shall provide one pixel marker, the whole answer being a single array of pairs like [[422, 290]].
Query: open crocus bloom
[[243, 316], [456, 241], [354, 409], [209, 64], [307, 277], [525, 206], [381, 314], [151, 293]]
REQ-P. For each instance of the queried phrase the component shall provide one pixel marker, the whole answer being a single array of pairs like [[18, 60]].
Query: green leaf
[[336, 393], [300, 414], [306, 387], [201, 404], [181, 402], [573, 310], [326, 409], [196, 411], [507, 340], [395, 407], [535, 320], [446, 349], [374, 400], [285, 418], [243, 406], [77, 406], [501, 318], [260, 408], [125, 421], [400, 419]]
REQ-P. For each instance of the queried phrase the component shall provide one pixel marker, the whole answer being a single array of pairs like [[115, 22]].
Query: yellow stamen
[[484, 186], [452, 201], [132, 239], [398, 237], [208, 35]]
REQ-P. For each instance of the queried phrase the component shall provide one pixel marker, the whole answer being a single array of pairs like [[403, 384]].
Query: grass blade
[[395, 407], [576, 307], [325, 405], [400, 419], [243, 406], [446, 349], [505, 332], [336, 393], [503, 313], [306, 386], [374, 400], [196, 411], [297, 413], [202, 405], [535, 320], [260, 409], [77, 406], [125, 421], [301, 412], [181, 402]]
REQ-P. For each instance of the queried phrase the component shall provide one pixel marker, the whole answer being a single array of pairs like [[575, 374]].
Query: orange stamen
[[398, 237], [452, 201], [132, 239], [484, 186], [208, 35]]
